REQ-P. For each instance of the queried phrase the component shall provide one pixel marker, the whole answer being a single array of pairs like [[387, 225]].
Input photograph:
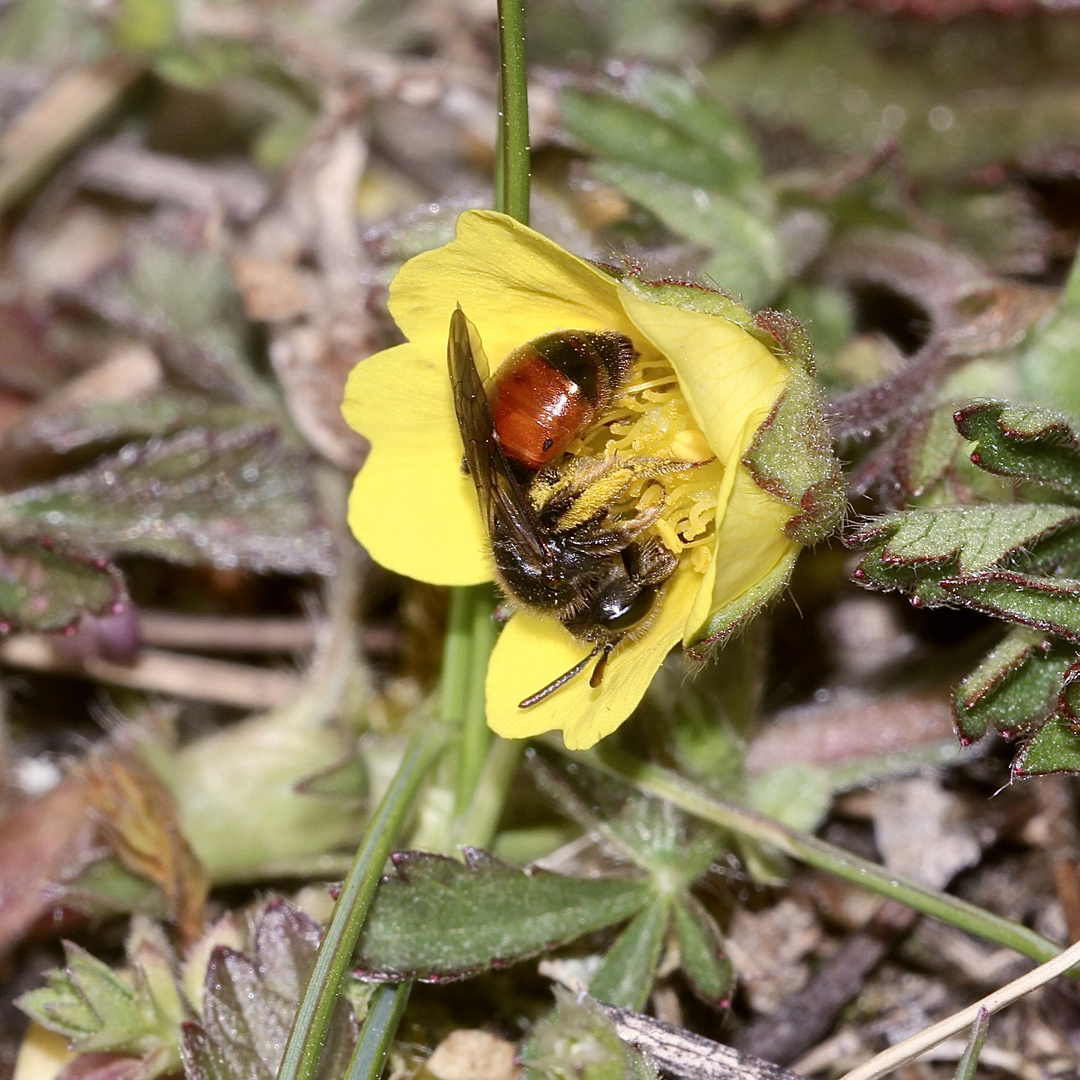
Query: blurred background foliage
[[206, 685]]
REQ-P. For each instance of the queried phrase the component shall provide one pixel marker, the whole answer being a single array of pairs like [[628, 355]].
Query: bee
[[553, 388], [557, 547]]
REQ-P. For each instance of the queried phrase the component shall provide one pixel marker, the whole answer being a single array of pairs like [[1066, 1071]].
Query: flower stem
[[457, 653], [814, 852], [512, 170], [475, 737], [308, 1034], [380, 1024]]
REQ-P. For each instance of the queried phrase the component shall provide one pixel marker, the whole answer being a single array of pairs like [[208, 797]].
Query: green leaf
[[916, 550], [577, 1039], [1048, 604], [44, 589], [969, 1063], [1047, 363], [1055, 748], [707, 969], [1015, 687], [125, 421], [625, 975], [669, 846], [1023, 441], [746, 256], [99, 1010], [438, 919], [663, 124], [235, 498], [144, 26]]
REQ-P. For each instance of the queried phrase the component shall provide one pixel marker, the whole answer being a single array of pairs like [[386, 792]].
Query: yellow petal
[[411, 505], [533, 650], [728, 377], [512, 283], [749, 545]]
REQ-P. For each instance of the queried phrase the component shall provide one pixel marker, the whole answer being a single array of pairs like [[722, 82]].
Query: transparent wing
[[503, 502]]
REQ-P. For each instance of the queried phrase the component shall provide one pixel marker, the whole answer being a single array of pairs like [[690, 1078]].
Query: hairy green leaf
[[625, 975], [919, 550], [1016, 686], [438, 919], [1023, 441], [707, 969], [1048, 604], [1055, 748], [240, 498], [100, 1010]]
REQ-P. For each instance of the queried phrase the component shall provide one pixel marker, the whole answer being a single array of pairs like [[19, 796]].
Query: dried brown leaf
[[138, 816]]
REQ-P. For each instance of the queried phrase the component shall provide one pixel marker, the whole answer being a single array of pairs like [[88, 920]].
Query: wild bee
[[558, 546]]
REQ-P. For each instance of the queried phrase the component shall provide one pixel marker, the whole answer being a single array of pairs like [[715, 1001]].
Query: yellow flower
[[729, 398]]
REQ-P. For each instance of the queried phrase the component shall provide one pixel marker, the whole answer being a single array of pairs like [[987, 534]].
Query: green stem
[[512, 156], [475, 736], [308, 1034], [481, 821], [380, 1024], [457, 651], [808, 849]]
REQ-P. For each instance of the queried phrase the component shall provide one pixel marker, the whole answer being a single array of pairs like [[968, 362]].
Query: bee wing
[[502, 500]]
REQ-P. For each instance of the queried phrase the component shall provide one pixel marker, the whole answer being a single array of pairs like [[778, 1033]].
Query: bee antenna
[[601, 664], [562, 680]]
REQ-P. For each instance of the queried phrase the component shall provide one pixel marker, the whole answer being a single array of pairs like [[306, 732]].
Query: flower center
[[651, 419]]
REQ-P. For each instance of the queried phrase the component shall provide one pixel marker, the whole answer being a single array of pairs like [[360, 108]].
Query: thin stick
[[159, 672], [911, 1048]]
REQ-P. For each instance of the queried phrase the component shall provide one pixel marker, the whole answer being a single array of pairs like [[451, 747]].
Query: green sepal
[[578, 1039], [1023, 441], [625, 975], [438, 919], [791, 457], [720, 626], [1055, 748], [707, 969], [1015, 687], [658, 121]]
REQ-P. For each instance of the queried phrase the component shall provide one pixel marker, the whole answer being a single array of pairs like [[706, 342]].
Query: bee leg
[[561, 681], [597, 675], [651, 563]]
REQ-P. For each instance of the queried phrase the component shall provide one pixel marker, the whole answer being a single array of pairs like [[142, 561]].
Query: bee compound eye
[[621, 611]]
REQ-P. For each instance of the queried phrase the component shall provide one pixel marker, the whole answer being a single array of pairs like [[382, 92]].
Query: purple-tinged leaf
[[240, 498], [42, 588], [1049, 604], [249, 1003]]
